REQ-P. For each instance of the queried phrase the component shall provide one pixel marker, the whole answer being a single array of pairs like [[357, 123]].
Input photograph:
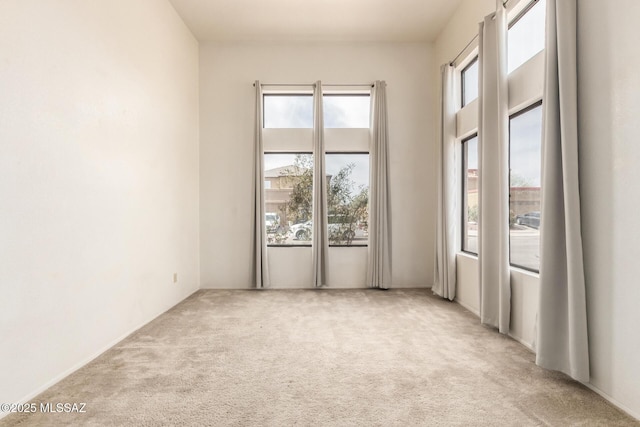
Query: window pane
[[346, 111], [470, 195], [288, 198], [524, 195], [348, 199], [470, 82], [288, 111], [526, 36]]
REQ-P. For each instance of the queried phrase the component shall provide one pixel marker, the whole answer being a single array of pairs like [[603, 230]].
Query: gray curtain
[[562, 342], [260, 263], [320, 237], [379, 265], [447, 219], [493, 159]]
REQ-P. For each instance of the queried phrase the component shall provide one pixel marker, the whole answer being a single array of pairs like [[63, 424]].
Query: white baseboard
[[467, 307], [514, 337], [527, 345], [613, 401], [89, 359]]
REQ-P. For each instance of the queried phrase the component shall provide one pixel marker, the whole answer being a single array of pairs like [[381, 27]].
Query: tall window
[[470, 195], [525, 140], [526, 35], [469, 79], [289, 174]]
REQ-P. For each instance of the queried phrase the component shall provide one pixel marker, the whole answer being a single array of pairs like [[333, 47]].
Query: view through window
[[288, 111], [346, 111], [348, 198], [288, 196], [526, 36], [525, 138], [470, 195], [470, 82]]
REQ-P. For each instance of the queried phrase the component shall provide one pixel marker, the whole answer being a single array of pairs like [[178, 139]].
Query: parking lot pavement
[[525, 246]]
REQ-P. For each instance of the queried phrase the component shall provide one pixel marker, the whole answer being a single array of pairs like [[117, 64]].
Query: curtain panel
[[493, 162], [562, 340], [320, 236], [260, 262], [379, 265], [447, 185]]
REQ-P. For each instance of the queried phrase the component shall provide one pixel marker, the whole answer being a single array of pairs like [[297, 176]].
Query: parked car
[[530, 219], [302, 230], [271, 221]]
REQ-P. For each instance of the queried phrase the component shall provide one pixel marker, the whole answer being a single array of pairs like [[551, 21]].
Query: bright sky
[[296, 111], [526, 37], [525, 146]]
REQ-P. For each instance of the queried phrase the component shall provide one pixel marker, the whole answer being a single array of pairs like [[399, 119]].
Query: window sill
[[524, 271], [308, 246], [467, 255]]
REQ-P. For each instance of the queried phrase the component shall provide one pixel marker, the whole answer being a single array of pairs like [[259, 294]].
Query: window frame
[[367, 94], [464, 202], [512, 116]]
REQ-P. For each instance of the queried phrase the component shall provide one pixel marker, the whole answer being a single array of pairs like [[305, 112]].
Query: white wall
[[227, 107], [461, 28], [99, 179], [609, 106]]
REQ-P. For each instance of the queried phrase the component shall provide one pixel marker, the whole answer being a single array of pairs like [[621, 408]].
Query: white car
[[302, 230]]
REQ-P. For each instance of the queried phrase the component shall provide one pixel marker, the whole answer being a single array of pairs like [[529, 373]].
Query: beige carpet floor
[[327, 357]]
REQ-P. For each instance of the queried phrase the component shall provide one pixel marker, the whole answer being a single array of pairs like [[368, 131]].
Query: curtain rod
[[452, 62], [313, 84]]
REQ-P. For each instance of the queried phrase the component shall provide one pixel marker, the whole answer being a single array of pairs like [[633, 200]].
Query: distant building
[[521, 199]]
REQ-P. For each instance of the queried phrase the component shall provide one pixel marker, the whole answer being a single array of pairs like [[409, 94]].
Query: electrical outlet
[[175, 277]]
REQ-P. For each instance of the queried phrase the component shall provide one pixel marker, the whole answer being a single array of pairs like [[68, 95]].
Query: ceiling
[[316, 20]]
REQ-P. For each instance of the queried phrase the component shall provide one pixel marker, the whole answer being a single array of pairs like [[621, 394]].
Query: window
[[469, 78], [288, 110], [348, 198], [288, 208], [288, 170], [526, 35], [346, 111], [470, 195], [525, 140]]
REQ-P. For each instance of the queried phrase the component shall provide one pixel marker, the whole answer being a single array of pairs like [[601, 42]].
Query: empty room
[[349, 213]]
